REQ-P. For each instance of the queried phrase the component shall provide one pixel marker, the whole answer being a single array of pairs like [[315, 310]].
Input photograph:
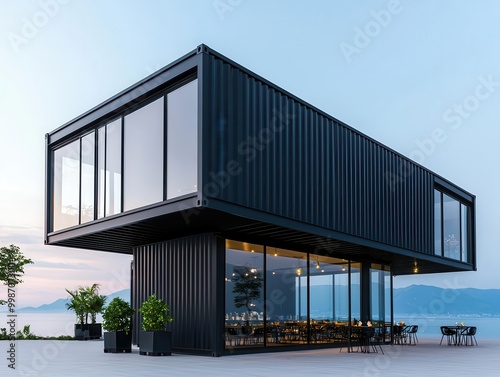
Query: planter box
[[117, 342], [88, 331], [155, 343], [81, 333]]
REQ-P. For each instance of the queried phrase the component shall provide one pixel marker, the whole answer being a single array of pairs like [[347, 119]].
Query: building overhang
[[164, 221]]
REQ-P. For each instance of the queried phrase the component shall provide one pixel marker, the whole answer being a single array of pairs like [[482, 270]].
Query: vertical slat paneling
[[180, 272], [297, 163]]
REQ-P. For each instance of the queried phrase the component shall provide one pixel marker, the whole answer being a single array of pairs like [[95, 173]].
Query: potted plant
[[117, 319], [154, 340], [85, 302]]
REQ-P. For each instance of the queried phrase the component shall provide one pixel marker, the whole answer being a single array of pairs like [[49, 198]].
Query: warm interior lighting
[[343, 268], [275, 254], [299, 271], [415, 267]]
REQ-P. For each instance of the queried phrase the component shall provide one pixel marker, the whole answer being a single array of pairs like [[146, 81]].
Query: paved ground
[[73, 358]]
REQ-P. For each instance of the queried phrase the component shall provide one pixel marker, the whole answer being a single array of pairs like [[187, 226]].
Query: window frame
[[462, 202], [103, 122]]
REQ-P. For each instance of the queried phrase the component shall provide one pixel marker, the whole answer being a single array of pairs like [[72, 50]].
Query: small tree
[[86, 301], [95, 301], [12, 262], [77, 304], [247, 287]]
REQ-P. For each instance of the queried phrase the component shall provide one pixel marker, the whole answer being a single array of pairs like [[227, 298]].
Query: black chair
[[470, 333], [412, 334], [348, 336], [232, 337], [450, 335], [378, 338], [399, 334]]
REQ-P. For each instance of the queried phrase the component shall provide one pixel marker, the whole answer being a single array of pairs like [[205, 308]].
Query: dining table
[[458, 330]]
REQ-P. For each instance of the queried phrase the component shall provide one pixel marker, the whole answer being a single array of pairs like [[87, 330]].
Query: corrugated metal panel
[[297, 162], [183, 272]]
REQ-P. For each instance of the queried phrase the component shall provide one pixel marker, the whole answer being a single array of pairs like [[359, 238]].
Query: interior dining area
[[278, 297]]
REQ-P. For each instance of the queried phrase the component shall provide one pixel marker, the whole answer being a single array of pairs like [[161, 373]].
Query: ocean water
[[487, 327], [54, 324], [45, 324]]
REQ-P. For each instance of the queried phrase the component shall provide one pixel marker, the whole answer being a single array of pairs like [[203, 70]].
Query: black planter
[[155, 343], [88, 331], [117, 342]]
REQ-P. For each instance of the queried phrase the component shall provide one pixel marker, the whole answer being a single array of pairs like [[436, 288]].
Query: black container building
[[262, 221]]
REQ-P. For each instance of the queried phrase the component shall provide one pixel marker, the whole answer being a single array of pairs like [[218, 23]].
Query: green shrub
[[154, 314], [117, 316]]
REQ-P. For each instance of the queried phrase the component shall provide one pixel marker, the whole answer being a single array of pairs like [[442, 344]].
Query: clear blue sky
[[402, 72]]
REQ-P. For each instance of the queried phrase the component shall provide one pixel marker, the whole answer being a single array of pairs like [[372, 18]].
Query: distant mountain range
[[429, 301], [422, 300], [60, 305]]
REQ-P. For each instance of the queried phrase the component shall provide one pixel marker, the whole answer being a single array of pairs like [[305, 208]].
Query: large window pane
[[438, 250], [113, 167], [451, 223], [326, 299], [143, 156], [464, 232], [341, 284], [101, 171], [286, 290], [66, 186], [355, 291], [244, 294], [87, 185], [182, 144], [380, 289]]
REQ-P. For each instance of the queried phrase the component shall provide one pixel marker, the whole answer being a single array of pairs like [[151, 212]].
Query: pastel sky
[[422, 77]]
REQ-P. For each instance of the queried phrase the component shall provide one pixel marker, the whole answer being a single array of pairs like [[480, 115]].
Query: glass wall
[[87, 184], [300, 298], [66, 186], [438, 250], [109, 165], [113, 168], [244, 284], [182, 140], [286, 274], [380, 293], [464, 216], [355, 291], [101, 169], [143, 157], [451, 226], [451, 231], [89, 181]]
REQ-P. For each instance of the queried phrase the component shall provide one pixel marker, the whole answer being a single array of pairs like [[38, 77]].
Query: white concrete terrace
[[86, 358]]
